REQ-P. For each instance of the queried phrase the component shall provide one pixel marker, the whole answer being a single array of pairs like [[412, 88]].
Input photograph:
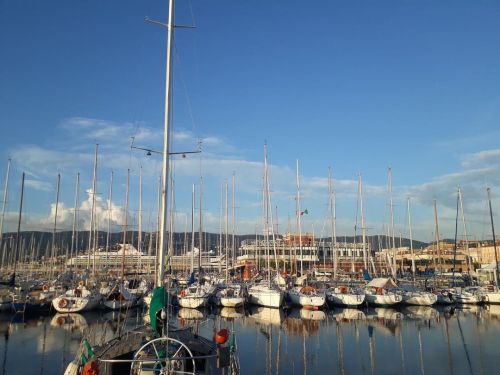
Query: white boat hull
[[232, 301], [265, 297], [66, 304], [420, 299], [492, 297], [192, 302], [347, 299], [383, 299], [467, 298], [301, 299]]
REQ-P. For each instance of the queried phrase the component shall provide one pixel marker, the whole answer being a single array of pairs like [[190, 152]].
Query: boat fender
[[222, 336], [379, 291], [90, 368], [63, 302], [183, 293], [45, 287]]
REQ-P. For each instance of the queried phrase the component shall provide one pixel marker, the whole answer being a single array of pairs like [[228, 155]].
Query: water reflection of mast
[[269, 349], [450, 359], [4, 361], [465, 346], [278, 352], [402, 350], [422, 369], [358, 346], [43, 347], [340, 349], [304, 349], [479, 344], [371, 345]]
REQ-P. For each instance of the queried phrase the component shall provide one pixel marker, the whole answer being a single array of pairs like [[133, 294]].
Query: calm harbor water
[[407, 340]]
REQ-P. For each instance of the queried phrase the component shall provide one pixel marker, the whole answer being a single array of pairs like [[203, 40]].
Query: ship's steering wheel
[[163, 356]]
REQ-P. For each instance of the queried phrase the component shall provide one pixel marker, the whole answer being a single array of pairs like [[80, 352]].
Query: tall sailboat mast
[[192, 230], [110, 205], [92, 210], [221, 208], [201, 225], [467, 250], [166, 146], [53, 250], [332, 214], [488, 191], [18, 235], [299, 224], [227, 233], [233, 244], [363, 225], [139, 236], [438, 251], [266, 216], [74, 236], [393, 236], [4, 204], [125, 225], [413, 270]]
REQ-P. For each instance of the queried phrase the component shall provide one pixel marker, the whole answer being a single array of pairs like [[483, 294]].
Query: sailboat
[[265, 293], [413, 296], [120, 297], [159, 348], [345, 295], [342, 295], [231, 295], [493, 294], [305, 296], [195, 295], [85, 296], [34, 299], [468, 295], [410, 293], [77, 300], [379, 292]]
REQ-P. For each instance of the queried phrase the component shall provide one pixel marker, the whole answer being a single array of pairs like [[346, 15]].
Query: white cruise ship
[[137, 260], [112, 258]]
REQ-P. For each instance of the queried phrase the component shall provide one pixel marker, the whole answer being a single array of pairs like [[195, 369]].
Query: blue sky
[[356, 85]]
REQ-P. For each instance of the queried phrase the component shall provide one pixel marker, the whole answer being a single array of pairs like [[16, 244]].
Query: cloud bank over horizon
[[72, 152]]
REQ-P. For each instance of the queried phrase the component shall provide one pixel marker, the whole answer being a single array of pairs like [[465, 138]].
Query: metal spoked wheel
[[163, 356]]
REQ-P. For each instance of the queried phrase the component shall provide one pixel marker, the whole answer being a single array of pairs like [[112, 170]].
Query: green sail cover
[[158, 301]]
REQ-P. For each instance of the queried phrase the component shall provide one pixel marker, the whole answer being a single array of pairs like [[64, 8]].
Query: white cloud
[[38, 185], [70, 154], [485, 156], [65, 215]]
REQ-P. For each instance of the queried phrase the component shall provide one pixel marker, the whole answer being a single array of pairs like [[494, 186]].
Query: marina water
[[406, 340]]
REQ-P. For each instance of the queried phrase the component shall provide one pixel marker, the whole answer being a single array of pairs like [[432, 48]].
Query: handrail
[[155, 360]]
